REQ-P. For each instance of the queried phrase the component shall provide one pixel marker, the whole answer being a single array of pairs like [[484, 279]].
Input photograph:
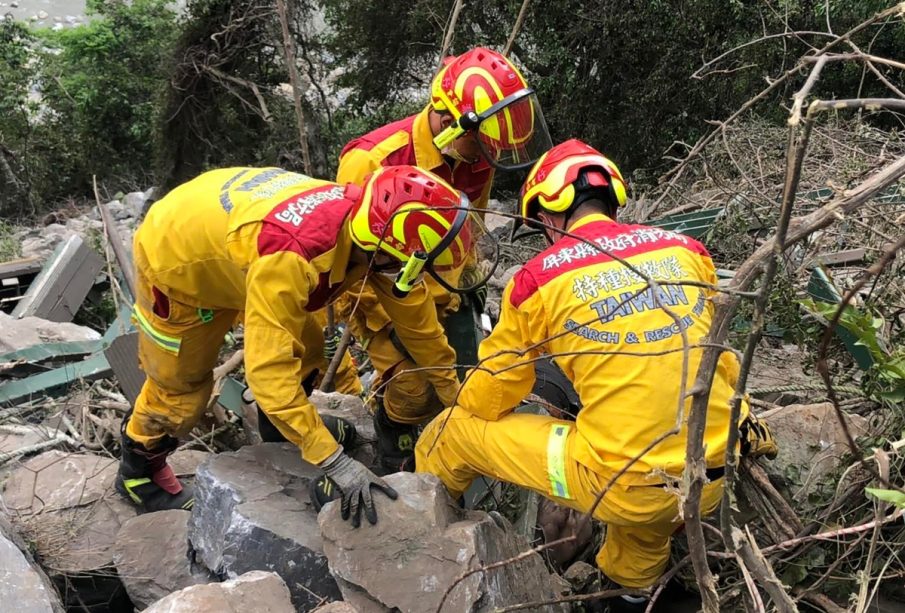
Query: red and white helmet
[[563, 173], [486, 93]]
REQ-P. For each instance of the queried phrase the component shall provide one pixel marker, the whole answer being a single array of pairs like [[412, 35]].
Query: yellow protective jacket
[[276, 245], [409, 141], [598, 320]]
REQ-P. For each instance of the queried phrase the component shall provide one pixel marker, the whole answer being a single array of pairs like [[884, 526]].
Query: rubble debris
[[421, 545], [352, 409], [253, 512], [65, 504], [53, 382], [337, 607], [811, 445], [559, 522], [151, 556], [122, 355], [59, 290], [17, 334], [253, 591], [15, 278], [22, 582]]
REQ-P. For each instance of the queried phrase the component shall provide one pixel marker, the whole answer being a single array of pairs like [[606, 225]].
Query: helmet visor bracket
[[512, 134]]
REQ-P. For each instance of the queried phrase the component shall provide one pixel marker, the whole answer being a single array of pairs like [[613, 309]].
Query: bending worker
[[482, 115], [278, 246], [598, 318]]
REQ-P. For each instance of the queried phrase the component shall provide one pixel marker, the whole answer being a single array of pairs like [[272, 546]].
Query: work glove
[[473, 273], [756, 439], [355, 482], [331, 342]]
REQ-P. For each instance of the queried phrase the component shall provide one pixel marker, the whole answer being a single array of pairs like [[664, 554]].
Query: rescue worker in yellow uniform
[[482, 115], [277, 247], [597, 318]]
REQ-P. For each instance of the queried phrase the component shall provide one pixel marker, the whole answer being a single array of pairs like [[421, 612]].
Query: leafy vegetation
[[81, 103]]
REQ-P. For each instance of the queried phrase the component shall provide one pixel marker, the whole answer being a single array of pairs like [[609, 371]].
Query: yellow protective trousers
[[535, 452], [408, 395], [178, 348]]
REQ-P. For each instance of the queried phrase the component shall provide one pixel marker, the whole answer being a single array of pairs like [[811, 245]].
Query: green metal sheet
[[53, 382], [231, 396], [39, 353], [822, 289]]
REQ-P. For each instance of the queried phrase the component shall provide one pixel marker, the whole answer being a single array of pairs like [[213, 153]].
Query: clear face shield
[[511, 134], [453, 258]]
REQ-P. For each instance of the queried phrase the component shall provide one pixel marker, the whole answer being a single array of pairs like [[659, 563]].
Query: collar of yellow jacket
[[341, 254], [426, 153], [586, 220]]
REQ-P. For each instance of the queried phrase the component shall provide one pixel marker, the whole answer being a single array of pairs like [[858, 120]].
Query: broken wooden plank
[[20, 267], [15, 278], [54, 382], [58, 291], [848, 256]]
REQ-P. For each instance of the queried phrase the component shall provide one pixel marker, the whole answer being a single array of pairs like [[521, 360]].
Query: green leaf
[[893, 496]]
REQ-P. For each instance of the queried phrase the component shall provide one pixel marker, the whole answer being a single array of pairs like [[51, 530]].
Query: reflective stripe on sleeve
[[169, 343], [556, 461]]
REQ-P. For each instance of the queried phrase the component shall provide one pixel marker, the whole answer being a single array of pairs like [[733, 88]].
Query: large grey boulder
[[253, 512], [420, 545], [22, 582], [65, 504], [151, 555], [812, 444], [254, 591]]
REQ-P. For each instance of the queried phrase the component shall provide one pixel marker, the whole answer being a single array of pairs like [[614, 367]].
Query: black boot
[[395, 442], [147, 480]]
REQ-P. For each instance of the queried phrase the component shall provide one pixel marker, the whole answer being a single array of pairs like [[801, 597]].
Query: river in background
[[45, 13]]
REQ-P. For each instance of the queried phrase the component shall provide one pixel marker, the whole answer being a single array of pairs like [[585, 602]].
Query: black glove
[[355, 482]]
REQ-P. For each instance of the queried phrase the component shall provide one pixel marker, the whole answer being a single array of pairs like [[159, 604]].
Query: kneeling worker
[[598, 318], [278, 246]]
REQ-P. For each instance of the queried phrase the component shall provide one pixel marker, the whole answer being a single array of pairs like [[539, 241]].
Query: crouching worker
[[278, 246], [598, 319]]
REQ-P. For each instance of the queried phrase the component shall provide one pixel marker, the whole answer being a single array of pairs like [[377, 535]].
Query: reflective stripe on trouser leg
[[168, 343], [556, 461]]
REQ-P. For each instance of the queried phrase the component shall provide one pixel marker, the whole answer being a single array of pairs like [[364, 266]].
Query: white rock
[[42, 15], [253, 591], [29, 331]]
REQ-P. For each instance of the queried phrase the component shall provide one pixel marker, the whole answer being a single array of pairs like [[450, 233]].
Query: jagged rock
[[501, 278], [581, 575], [811, 444], [253, 591], [352, 409], [421, 544], [22, 582], [185, 462], [253, 512], [151, 555], [29, 331], [65, 504], [336, 607], [134, 202]]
